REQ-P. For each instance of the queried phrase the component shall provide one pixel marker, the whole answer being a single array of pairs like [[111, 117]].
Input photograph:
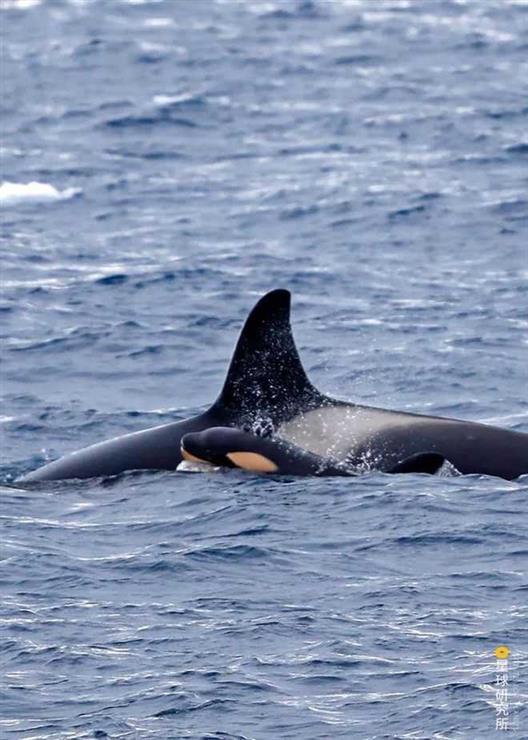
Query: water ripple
[[164, 168]]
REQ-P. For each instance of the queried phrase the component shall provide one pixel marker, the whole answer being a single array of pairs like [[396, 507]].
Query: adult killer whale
[[267, 393]]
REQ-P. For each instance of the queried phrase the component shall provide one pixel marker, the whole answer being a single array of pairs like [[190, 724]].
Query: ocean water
[[163, 165]]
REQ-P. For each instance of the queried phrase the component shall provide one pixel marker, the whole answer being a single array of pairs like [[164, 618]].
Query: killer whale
[[268, 394], [233, 448]]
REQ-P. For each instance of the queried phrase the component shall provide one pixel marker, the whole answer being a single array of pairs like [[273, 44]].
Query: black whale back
[[265, 385]]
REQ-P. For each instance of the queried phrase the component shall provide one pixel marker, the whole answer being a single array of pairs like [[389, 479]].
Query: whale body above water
[[282, 418]]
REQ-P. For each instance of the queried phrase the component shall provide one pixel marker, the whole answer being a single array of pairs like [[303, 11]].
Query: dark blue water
[[372, 157]]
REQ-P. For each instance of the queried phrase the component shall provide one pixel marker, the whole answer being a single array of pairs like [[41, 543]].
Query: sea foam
[[14, 193]]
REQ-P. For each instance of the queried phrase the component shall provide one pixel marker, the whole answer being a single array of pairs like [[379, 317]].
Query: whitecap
[[18, 4], [188, 466], [158, 22], [13, 193]]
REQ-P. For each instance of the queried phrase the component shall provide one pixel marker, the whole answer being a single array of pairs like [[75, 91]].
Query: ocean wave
[[16, 193], [18, 4], [369, 156]]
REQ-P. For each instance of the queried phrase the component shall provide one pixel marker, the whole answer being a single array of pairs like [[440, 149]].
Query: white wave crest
[[18, 4], [13, 193], [186, 466]]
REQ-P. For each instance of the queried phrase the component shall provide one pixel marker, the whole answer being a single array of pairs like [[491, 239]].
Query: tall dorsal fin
[[266, 379]]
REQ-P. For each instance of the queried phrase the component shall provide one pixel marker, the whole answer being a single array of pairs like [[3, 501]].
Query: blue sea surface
[[165, 163]]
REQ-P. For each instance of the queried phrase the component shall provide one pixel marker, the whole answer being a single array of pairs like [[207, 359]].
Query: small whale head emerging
[[226, 447], [229, 447]]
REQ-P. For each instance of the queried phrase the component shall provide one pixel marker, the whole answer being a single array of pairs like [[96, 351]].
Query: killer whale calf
[[267, 395], [232, 448]]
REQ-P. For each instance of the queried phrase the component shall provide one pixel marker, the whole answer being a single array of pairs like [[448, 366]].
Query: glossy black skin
[[157, 448], [213, 446], [264, 352], [389, 437], [266, 386]]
